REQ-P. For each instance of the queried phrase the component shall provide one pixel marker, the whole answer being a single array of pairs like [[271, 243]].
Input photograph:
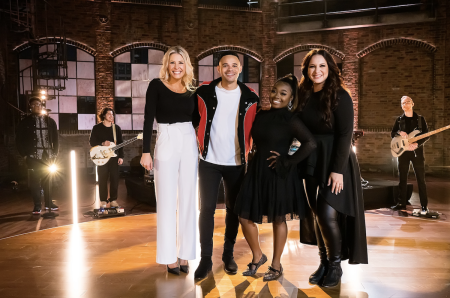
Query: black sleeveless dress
[[267, 194]]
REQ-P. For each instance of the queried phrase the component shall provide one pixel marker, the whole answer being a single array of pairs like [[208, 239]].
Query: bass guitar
[[100, 155], [399, 145]]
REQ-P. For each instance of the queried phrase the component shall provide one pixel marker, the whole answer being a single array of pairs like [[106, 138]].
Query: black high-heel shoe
[[184, 268], [175, 270]]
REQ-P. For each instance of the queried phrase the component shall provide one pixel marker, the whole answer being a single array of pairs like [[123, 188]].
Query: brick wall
[[376, 79]]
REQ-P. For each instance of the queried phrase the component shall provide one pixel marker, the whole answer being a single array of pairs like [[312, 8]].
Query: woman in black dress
[[272, 191], [331, 172]]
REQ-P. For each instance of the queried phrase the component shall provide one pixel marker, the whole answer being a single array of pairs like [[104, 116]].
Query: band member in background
[[403, 126], [332, 176], [272, 191], [102, 134], [37, 141], [171, 100], [226, 108]]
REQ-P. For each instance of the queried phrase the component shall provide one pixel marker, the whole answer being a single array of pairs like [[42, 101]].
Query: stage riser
[[382, 194]]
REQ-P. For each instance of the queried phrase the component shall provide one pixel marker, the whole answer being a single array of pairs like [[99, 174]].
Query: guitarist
[[102, 134], [404, 125]]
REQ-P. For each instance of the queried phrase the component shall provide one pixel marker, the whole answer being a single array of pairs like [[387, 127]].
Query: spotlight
[[43, 97], [52, 168], [43, 92], [354, 148], [44, 112], [73, 170]]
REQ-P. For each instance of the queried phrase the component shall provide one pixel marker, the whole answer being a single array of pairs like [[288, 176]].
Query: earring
[[290, 105]]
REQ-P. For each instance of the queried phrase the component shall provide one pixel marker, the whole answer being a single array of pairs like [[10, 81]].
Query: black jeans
[[326, 223], [109, 170], [419, 169], [39, 177], [210, 176]]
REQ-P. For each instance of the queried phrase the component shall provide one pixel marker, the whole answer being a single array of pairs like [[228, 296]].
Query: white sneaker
[[113, 204], [103, 204]]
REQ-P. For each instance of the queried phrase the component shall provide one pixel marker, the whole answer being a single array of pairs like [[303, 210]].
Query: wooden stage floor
[[408, 257]]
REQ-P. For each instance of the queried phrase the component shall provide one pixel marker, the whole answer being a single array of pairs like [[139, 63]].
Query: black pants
[[418, 163], [326, 224], [39, 177], [109, 170], [210, 176]]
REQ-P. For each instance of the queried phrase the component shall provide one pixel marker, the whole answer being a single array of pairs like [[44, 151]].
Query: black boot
[[319, 274], [229, 265], [333, 276], [203, 268]]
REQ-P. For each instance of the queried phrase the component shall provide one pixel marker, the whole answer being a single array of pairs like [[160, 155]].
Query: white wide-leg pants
[[175, 170]]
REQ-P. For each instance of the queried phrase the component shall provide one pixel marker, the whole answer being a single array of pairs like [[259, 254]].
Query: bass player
[[403, 126]]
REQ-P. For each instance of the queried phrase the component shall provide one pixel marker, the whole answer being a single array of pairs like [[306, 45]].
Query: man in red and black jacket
[[225, 110]]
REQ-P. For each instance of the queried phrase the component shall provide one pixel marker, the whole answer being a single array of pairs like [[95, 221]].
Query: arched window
[[250, 75], [292, 64], [133, 71], [74, 107]]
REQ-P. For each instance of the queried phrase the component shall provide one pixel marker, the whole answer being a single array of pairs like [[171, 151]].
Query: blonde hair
[[188, 78]]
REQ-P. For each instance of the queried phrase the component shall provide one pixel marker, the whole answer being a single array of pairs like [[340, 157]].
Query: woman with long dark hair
[[331, 172], [272, 191]]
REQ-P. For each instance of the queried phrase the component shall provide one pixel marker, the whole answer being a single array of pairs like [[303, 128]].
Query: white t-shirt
[[224, 146]]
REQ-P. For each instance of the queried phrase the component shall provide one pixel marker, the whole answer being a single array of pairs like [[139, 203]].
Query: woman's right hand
[[146, 161]]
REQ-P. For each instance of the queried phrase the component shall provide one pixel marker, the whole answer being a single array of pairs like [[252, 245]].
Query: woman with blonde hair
[[170, 99]]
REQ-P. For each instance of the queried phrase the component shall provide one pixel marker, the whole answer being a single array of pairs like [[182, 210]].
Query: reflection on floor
[[408, 257]]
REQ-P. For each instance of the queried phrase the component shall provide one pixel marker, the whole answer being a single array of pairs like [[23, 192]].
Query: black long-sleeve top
[[341, 126], [273, 130], [167, 106], [27, 139], [101, 133]]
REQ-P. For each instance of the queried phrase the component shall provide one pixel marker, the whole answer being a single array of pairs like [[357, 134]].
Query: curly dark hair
[[292, 81], [103, 113], [334, 82]]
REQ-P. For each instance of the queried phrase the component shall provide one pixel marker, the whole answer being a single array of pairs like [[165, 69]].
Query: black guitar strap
[[419, 123]]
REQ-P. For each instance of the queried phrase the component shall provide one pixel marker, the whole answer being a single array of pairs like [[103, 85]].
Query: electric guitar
[[399, 145], [100, 155]]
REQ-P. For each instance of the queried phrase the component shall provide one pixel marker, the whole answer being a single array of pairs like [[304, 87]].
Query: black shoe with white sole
[[53, 207], [424, 210], [37, 210]]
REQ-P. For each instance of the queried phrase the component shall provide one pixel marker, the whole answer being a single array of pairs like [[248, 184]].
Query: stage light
[[43, 97], [96, 174], [43, 92], [52, 168], [73, 171], [44, 112], [354, 148]]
